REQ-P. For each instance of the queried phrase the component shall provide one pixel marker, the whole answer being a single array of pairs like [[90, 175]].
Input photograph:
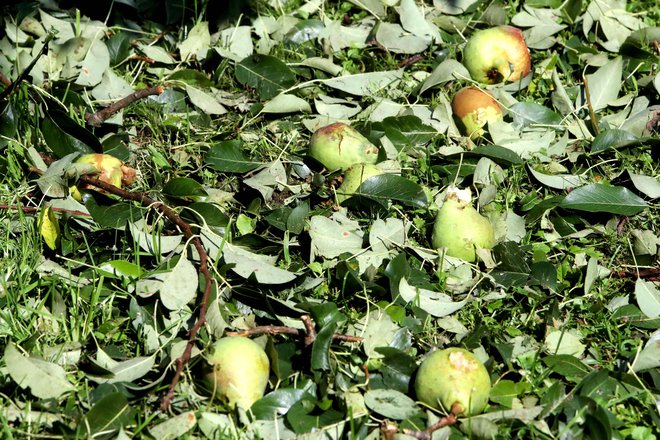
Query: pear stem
[[389, 430]]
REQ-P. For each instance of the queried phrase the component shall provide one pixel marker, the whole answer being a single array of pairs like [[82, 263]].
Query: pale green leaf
[[46, 380]]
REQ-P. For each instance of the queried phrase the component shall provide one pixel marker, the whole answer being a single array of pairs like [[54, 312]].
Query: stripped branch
[[310, 332], [96, 119]]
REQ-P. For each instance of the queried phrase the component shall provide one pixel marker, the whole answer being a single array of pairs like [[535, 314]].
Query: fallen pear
[[353, 178], [239, 370], [453, 379], [460, 229], [110, 170], [475, 108], [340, 146]]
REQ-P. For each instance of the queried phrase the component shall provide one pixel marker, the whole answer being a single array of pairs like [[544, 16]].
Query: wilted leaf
[[227, 157], [605, 83], [174, 427], [205, 101], [247, 263], [197, 43], [49, 227], [331, 239], [365, 84]]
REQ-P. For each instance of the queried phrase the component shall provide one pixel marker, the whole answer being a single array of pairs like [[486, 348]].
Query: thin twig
[[203, 268], [3, 79], [389, 429], [647, 274], [284, 330], [96, 119], [33, 209], [10, 88], [310, 335]]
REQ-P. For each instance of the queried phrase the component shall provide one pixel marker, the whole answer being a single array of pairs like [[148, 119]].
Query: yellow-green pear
[[353, 178], [340, 146], [109, 167], [453, 376], [239, 371], [460, 229], [475, 108]]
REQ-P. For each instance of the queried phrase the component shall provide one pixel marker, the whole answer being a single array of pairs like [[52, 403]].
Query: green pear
[[460, 228], [453, 376], [340, 146], [239, 371], [475, 108], [353, 178], [497, 54]]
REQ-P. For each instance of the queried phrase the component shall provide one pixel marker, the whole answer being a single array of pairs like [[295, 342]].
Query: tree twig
[[203, 269], [310, 332], [32, 209], [10, 88], [96, 119], [389, 429]]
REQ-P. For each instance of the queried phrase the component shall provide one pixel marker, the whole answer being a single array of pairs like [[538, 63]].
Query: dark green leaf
[[304, 416], [209, 213], [192, 77], [613, 138], [604, 198], [406, 131], [494, 152], [566, 365], [392, 187], [321, 347], [545, 274], [108, 415], [509, 279], [531, 113], [276, 403], [227, 157], [119, 47], [397, 367], [265, 73], [390, 403], [304, 30], [8, 122], [296, 220], [113, 216], [184, 187], [64, 136]]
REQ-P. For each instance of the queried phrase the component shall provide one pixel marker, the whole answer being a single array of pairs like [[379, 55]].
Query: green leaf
[[505, 391], [531, 113], [392, 187], [406, 131], [366, 84], [276, 403], [227, 157], [64, 136], [119, 47], [262, 267], [557, 181], [391, 404], [397, 368], [184, 187], [605, 83], [613, 138], [265, 73], [435, 303], [494, 152], [648, 298], [174, 427], [193, 78], [207, 213], [567, 366], [603, 198], [46, 380], [176, 287], [108, 415]]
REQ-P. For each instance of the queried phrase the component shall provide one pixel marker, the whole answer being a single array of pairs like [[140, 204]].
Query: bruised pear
[[109, 167], [340, 146], [455, 380], [496, 55], [239, 371], [475, 108], [460, 228], [354, 177]]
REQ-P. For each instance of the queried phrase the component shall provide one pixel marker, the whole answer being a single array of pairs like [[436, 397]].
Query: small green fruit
[[460, 228], [354, 177], [240, 370], [475, 107], [453, 376], [497, 54], [340, 146]]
